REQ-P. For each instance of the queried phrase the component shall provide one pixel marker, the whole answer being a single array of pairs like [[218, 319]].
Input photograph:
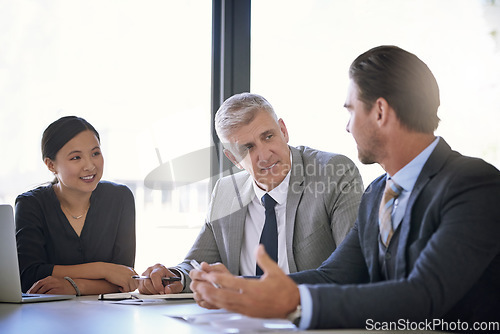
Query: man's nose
[[263, 156]]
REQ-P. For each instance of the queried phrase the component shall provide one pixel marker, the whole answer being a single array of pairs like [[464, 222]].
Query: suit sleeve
[[345, 265], [343, 203], [204, 248], [464, 242]]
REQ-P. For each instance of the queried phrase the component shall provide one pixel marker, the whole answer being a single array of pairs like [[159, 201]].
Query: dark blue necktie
[[269, 236]]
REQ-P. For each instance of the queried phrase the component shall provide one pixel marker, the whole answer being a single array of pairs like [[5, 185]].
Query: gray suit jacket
[[448, 257], [323, 198]]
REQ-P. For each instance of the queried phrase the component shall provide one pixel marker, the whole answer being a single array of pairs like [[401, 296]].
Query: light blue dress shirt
[[406, 177]]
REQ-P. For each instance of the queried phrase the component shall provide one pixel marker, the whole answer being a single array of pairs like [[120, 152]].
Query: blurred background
[[140, 72]]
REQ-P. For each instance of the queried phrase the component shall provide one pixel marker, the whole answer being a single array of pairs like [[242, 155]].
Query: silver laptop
[[10, 280]]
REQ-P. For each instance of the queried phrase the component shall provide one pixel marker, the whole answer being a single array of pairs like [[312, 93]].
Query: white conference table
[[88, 315]]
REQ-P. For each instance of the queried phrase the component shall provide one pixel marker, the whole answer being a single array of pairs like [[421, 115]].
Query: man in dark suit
[[429, 258]]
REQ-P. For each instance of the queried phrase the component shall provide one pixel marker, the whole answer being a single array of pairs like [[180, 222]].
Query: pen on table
[[164, 280], [197, 266]]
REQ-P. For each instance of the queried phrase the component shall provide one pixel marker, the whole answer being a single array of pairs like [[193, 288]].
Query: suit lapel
[[372, 231], [435, 162], [295, 190], [237, 224]]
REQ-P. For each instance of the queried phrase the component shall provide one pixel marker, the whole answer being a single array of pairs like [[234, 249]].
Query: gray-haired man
[[317, 195]]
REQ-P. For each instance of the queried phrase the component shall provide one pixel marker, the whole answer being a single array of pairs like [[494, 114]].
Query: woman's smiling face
[[79, 163]]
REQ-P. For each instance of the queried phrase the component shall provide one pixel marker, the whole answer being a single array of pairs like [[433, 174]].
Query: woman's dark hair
[[62, 131], [403, 80]]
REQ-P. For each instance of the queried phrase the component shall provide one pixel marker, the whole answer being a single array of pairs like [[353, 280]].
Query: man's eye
[[269, 137], [242, 151]]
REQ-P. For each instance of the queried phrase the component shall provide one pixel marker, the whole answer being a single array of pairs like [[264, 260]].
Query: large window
[[139, 71], [301, 51]]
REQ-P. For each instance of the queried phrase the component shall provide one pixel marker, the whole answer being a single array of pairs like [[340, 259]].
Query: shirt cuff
[[180, 274], [306, 303]]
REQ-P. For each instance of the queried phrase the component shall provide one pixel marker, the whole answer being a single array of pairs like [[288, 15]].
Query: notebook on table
[[10, 280]]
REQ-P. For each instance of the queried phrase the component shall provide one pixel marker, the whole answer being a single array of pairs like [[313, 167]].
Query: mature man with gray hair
[[314, 198]]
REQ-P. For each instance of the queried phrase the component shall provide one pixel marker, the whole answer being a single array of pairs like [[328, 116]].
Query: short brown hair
[[403, 80]]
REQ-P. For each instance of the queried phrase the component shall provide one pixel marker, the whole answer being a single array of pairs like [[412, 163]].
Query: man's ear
[[283, 129], [382, 111], [232, 158], [50, 165]]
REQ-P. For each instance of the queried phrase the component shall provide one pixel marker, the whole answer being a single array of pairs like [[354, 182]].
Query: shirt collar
[[407, 176], [279, 193]]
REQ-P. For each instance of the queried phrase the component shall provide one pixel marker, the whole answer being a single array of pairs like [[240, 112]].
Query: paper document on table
[[135, 298], [229, 322]]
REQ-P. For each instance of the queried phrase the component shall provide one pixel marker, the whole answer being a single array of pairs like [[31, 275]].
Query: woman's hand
[[53, 285], [120, 276]]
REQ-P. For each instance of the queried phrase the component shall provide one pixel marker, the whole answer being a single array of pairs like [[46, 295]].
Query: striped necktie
[[269, 236], [391, 192]]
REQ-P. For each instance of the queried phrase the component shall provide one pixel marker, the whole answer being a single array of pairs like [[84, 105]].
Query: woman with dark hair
[[77, 234]]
